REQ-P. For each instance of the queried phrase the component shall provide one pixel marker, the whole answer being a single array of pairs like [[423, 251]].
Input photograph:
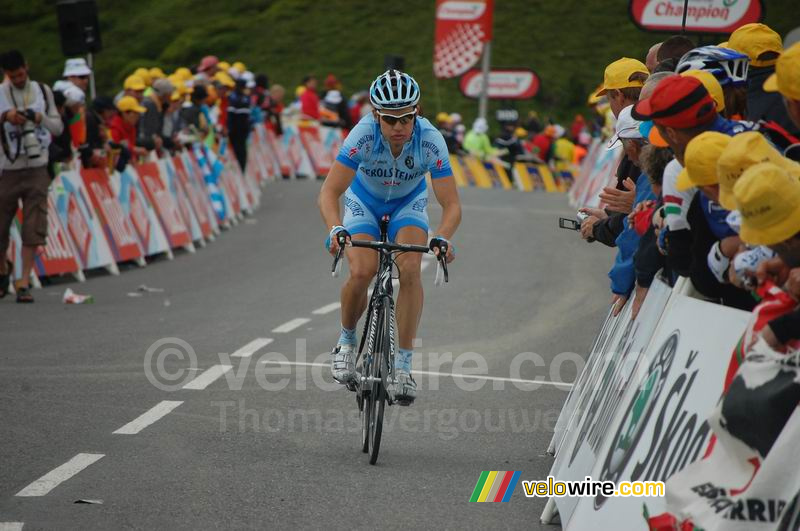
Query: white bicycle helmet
[[394, 90], [728, 66]]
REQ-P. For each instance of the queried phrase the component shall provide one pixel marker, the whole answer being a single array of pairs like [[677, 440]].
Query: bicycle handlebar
[[392, 248]]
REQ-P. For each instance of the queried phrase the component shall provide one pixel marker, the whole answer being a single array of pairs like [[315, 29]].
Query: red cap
[[680, 102], [209, 61]]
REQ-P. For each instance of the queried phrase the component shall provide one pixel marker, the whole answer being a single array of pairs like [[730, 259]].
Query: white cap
[[455, 118], [625, 128], [559, 130], [333, 97], [234, 72], [76, 67], [250, 78], [74, 95], [480, 125]]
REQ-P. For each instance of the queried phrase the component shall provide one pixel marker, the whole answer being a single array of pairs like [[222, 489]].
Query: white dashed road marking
[[160, 410], [252, 347], [207, 378], [11, 526], [288, 326], [328, 308], [55, 477]]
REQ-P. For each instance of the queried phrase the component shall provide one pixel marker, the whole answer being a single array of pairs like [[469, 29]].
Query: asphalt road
[[276, 445]]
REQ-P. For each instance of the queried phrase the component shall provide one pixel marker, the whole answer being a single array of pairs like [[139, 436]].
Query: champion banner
[[169, 178], [132, 198], [462, 29], [702, 16], [199, 207], [195, 179], [58, 257], [168, 212]]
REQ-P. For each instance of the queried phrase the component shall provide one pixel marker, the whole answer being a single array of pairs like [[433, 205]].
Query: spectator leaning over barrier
[[273, 114], [28, 121], [239, 121], [671, 51], [651, 61], [309, 100], [123, 125], [622, 84], [682, 109], [195, 123], [151, 126], [98, 119], [763, 46], [786, 81], [77, 72], [767, 197], [476, 141], [623, 272], [134, 87]]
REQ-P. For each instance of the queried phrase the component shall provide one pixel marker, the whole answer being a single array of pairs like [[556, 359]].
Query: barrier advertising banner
[[702, 16], [170, 179], [297, 153], [601, 173], [659, 426], [332, 140], [320, 157], [462, 29], [199, 207], [168, 211], [117, 226], [284, 161], [58, 256], [75, 210], [603, 390], [137, 208], [195, 179]]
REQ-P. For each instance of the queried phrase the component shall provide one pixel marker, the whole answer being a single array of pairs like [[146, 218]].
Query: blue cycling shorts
[[362, 211]]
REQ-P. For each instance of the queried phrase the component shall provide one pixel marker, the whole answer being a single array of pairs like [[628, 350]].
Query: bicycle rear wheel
[[380, 372]]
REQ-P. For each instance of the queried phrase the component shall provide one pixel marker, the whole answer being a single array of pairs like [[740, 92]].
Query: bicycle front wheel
[[380, 373]]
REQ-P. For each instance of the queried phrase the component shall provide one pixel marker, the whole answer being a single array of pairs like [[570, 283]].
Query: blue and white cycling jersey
[[385, 177], [387, 185]]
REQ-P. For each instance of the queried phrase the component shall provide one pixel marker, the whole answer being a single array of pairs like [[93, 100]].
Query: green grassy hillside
[[567, 42]]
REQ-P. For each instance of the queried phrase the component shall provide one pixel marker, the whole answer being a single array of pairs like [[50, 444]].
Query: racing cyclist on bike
[[381, 170]]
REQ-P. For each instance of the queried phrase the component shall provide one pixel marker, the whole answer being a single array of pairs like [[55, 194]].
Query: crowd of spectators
[[709, 184], [153, 115]]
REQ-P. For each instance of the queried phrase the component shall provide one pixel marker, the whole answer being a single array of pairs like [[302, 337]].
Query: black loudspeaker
[[394, 62], [78, 26]]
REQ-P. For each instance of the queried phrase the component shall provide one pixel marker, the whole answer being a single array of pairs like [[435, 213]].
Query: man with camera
[[28, 121]]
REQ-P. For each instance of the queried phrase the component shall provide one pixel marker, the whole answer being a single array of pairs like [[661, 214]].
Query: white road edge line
[[11, 526], [435, 373], [207, 378], [162, 409], [58, 475], [288, 326], [328, 308], [252, 347]]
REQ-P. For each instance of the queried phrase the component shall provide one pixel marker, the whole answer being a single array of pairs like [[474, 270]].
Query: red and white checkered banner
[[462, 28]]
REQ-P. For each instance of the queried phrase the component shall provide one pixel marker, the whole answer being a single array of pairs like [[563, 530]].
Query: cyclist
[[381, 170]]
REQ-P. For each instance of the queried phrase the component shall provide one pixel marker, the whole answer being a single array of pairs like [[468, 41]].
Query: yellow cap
[[786, 78], [134, 82], [299, 91], [745, 150], [521, 132], [754, 40], [767, 198], [224, 65], [156, 73], [711, 84], [443, 117], [184, 73], [702, 153], [145, 75], [129, 103], [238, 65], [618, 75], [224, 79], [723, 44]]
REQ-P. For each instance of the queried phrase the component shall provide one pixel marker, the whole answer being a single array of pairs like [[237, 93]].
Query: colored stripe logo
[[495, 486]]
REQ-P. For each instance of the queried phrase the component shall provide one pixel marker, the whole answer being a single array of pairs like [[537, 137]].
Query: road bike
[[375, 382]]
